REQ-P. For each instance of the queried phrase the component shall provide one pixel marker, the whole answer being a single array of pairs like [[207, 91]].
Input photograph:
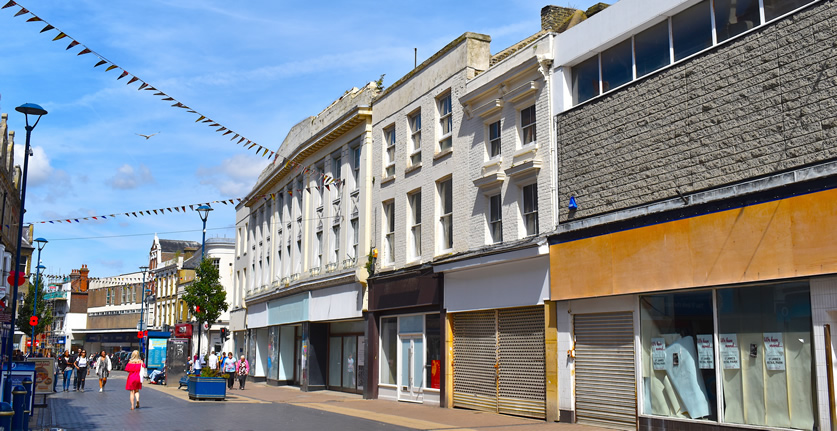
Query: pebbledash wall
[[762, 103], [705, 193]]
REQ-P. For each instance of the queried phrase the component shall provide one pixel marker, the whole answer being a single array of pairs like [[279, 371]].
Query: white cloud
[[235, 176], [129, 178], [39, 170]]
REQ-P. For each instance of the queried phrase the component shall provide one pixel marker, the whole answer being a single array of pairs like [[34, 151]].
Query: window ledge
[[388, 179], [441, 154], [526, 152], [412, 168], [491, 180], [524, 170], [355, 192]]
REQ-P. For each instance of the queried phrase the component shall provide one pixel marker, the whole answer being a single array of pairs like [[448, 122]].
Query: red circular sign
[[33, 321], [20, 278]]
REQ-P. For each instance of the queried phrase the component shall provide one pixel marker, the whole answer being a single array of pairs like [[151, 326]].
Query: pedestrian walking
[[229, 368], [67, 368], [134, 383], [82, 370], [242, 368], [103, 367]]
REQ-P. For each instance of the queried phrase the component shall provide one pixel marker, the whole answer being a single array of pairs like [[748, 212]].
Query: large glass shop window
[[678, 359], [763, 356], [766, 355]]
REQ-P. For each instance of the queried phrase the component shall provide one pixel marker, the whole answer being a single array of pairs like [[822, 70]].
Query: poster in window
[[658, 353], [730, 354], [774, 351], [706, 352]]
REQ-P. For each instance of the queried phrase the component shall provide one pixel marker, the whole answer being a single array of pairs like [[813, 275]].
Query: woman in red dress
[[134, 383]]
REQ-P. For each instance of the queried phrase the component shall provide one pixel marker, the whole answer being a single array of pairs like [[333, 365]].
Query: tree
[[25, 312], [205, 297]]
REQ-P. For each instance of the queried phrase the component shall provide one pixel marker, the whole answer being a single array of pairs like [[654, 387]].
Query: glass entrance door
[[411, 375]]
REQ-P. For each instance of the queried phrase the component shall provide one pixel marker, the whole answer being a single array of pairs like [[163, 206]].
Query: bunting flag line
[[101, 60], [178, 208]]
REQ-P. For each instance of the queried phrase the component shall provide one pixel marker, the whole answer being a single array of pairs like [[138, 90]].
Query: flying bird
[[146, 136]]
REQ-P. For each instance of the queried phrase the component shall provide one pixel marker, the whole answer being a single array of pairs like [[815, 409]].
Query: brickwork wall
[[762, 103], [475, 131]]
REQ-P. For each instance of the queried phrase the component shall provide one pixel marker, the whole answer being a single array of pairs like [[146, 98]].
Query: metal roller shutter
[[499, 361], [522, 363], [605, 379], [474, 360]]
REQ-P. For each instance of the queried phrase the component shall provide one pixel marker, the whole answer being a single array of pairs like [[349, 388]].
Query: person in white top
[[102, 367], [213, 361]]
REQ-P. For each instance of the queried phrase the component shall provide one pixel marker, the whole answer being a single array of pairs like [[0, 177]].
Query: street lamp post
[[25, 109], [203, 212], [142, 315], [41, 244]]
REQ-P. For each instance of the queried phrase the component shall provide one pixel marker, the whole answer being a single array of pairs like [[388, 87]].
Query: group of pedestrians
[[235, 370], [79, 364]]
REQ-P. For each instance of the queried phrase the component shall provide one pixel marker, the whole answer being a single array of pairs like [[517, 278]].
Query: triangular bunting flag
[[143, 85], [124, 74], [101, 62], [60, 36], [72, 44], [84, 51], [199, 119], [111, 67], [47, 28], [9, 4], [34, 19], [22, 11], [132, 80]]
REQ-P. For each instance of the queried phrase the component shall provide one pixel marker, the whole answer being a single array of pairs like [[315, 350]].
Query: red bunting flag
[[132, 80], [124, 74], [143, 85], [84, 51], [9, 4], [72, 44], [168, 99], [22, 11], [34, 19]]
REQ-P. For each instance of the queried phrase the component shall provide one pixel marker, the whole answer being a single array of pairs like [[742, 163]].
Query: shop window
[[433, 335], [733, 17], [766, 355], [776, 8], [678, 362], [389, 350], [691, 30], [586, 80], [616, 65], [651, 49]]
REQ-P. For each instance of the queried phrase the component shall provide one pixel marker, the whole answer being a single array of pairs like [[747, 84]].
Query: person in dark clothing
[[72, 364], [81, 369], [66, 367]]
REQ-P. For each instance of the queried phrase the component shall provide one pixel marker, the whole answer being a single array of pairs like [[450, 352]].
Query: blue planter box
[[207, 388]]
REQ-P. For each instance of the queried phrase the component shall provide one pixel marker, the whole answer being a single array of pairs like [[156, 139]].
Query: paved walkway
[[416, 416]]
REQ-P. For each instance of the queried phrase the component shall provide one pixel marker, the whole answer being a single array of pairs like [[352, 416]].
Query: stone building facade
[[695, 141]]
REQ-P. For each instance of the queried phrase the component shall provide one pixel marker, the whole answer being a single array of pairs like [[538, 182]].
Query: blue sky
[[256, 67]]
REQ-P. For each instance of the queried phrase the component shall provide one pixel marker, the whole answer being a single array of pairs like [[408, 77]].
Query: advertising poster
[[730, 355], [774, 351], [44, 374], [658, 353], [156, 352], [706, 352]]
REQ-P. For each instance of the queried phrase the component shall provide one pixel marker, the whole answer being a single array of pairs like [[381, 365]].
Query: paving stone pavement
[[263, 407]]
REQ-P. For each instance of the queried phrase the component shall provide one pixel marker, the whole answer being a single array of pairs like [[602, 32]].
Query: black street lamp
[[203, 212], [26, 109], [41, 244], [142, 315]]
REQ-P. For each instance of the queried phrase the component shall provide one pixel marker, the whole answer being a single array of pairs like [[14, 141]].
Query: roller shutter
[[605, 378], [499, 361]]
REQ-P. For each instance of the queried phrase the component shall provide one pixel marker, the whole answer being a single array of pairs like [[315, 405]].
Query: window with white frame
[[682, 35], [530, 209], [389, 145], [445, 122], [495, 218], [335, 243], [445, 234], [415, 138], [494, 146], [414, 200], [389, 230], [355, 235], [356, 166], [527, 125]]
